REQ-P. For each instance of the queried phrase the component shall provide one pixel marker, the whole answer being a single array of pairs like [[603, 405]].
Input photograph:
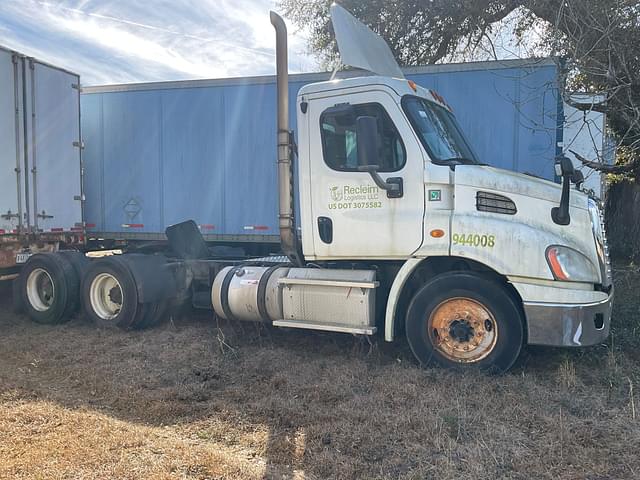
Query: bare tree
[[599, 41]]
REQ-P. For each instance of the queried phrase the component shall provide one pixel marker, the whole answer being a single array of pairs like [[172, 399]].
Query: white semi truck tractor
[[398, 230]]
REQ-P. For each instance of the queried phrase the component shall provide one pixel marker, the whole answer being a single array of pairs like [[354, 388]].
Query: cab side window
[[338, 131]]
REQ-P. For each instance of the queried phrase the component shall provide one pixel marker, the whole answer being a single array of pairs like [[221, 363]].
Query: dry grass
[[177, 402]]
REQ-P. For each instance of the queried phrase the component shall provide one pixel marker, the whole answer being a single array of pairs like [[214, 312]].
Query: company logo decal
[[336, 194], [350, 197]]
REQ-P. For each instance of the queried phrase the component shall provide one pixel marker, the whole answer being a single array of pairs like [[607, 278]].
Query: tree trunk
[[623, 220]]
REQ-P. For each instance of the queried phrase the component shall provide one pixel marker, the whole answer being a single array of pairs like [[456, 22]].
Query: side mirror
[[564, 168], [368, 142], [578, 179], [368, 145]]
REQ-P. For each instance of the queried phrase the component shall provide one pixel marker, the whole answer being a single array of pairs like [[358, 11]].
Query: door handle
[[325, 229]]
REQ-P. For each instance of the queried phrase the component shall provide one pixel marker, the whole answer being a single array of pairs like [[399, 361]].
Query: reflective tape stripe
[[256, 227]]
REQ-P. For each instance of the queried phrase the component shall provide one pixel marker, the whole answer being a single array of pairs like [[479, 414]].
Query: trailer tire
[[464, 320], [109, 295], [49, 287]]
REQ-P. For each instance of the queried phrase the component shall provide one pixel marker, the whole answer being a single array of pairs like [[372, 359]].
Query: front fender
[[514, 246], [394, 295]]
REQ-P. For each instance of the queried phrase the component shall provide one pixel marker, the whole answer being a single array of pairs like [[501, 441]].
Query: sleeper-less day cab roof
[[399, 85]]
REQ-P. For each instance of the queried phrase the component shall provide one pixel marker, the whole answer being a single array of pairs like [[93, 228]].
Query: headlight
[[569, 265]]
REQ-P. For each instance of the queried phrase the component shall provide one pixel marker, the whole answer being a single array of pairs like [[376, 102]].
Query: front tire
[[461, 320]]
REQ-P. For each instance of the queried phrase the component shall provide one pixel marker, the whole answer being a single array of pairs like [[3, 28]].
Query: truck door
[[352, 217]]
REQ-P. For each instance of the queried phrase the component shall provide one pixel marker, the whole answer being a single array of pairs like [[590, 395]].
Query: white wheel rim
[[40, 289], [106, 296]]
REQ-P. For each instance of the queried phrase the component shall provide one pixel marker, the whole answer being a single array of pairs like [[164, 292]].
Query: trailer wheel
[[48, 286], [462, 320]]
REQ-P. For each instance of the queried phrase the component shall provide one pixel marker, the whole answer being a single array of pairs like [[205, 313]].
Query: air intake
[[494, 203]]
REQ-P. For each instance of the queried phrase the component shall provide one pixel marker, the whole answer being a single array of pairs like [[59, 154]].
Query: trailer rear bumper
[[568, 325]]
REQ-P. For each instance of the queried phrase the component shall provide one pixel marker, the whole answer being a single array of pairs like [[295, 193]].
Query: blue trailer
[[159, 153]]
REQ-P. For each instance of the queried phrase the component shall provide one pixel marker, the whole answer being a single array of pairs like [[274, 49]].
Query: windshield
[[438, 131]]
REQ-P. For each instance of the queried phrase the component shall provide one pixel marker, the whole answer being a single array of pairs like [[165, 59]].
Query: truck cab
[[448, 205]]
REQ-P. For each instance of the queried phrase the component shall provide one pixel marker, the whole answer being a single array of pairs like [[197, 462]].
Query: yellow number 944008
[[474, 240]]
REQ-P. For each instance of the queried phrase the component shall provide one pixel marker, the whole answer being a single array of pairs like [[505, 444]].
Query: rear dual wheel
[[48, 286], [110, 297], [462, 319]]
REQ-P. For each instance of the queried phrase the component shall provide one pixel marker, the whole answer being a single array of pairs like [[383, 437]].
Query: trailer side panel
[[205, 150]]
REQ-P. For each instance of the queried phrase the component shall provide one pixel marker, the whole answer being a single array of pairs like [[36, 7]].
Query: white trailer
[[40, 159]]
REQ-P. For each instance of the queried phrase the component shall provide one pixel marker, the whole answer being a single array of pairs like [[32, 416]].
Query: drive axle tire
[[464, 320], [17, 305], [110, 297], [49, 288], [154, 314]]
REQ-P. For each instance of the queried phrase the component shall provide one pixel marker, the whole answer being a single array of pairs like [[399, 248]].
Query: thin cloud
[[113, 41]]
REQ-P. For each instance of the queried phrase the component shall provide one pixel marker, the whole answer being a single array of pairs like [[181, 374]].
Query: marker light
[[413, 85], [437, 233], [439, 98], [568, 265]]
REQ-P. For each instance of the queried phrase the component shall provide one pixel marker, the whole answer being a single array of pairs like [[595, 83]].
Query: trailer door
[[11, 180], [54, 138]]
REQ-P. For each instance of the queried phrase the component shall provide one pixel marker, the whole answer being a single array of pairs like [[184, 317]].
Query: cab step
[[327, 327]]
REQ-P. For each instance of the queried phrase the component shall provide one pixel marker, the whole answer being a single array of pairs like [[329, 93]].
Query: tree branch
[[605, 168]]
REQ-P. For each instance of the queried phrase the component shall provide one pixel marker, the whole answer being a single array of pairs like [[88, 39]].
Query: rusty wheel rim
[[463, 330]]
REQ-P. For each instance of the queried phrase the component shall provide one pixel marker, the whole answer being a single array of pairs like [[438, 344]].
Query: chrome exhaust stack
[[286, 148]]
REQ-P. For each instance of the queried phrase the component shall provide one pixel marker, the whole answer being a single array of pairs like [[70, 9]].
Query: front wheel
[[461, 319]]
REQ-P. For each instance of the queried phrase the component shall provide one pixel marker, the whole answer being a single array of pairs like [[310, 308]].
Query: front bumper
[[568, 325]]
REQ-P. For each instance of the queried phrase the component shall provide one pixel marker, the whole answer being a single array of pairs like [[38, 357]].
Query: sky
[[123, 41]]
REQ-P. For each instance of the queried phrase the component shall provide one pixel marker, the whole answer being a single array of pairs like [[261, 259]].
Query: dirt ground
[[193, 400]]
